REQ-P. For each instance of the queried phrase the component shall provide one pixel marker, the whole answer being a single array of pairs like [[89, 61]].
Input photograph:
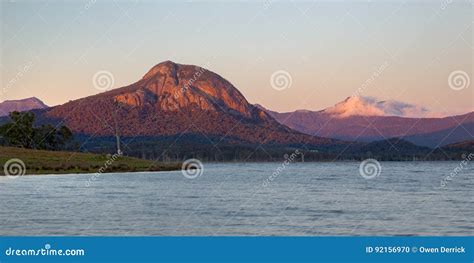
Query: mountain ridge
[[373, 128], [26, 104], [172, 99]]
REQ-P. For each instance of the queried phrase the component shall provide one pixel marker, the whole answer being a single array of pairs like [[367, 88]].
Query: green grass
[[51, 162]]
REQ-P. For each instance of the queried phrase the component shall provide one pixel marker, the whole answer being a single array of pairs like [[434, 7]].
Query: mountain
[[391, 149], [452, 135], [366, 120], [456, 151], [21, 105], [369, 106], [176, 112], [171, 100], [466, 145]]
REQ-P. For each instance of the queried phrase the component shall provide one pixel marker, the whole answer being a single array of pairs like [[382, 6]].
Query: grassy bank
[[49, 162]]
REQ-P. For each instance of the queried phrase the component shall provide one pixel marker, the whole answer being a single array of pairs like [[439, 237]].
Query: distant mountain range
[[365, 119], [179, 111], [21, 105]]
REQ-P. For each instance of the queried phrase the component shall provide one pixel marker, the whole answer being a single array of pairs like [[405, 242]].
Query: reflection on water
[[231, 199]]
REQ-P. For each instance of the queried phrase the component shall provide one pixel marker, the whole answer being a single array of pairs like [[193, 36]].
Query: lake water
[[307, 199]]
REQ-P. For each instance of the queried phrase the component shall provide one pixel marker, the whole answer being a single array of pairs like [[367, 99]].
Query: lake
[[299, 199]]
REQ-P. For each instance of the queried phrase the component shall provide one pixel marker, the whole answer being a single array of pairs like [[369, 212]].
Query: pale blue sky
[[52, 49]]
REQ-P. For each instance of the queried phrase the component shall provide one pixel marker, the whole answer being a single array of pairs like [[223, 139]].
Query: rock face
[[21, 105], [172, 87], [139, 98], [173, 99]]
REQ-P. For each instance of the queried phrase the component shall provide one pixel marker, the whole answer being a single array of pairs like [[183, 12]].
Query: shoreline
[[86, 173], [174, 167], [19, 161]]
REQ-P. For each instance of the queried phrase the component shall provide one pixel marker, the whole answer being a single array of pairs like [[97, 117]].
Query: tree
[[20, 132], [64, 136], [45, 138]]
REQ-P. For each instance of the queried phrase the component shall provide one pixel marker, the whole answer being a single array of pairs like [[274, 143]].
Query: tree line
[[20, 131]]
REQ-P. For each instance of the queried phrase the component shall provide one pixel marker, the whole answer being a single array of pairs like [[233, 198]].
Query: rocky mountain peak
[[21, 105], [167, 67], [170, 86], [174, 99]]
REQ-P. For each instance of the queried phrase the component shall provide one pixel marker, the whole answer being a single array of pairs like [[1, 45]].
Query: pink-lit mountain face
[[369, 106], [21, 105], [366, 119], [173, 99]]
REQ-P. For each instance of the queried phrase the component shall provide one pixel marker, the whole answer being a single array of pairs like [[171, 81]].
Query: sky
[[411, 51]]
